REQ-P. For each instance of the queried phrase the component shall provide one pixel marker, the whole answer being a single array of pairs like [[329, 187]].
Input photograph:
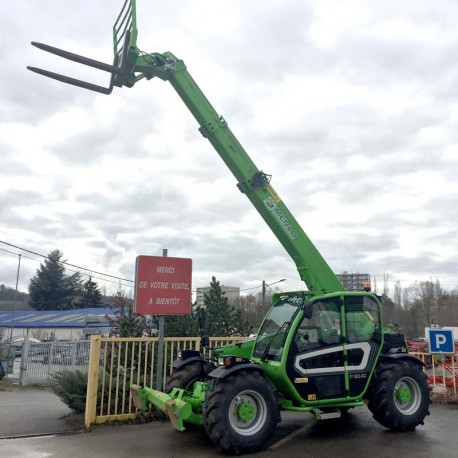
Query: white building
[[232, 293], [354, 281]]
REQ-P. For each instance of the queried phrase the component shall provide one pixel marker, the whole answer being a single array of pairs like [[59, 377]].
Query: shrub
[[71, 387]]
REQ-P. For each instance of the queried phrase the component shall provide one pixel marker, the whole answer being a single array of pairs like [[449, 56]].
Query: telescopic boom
[[131, 65]]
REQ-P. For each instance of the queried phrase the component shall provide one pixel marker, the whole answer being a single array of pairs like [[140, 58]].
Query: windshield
[[275, 328]]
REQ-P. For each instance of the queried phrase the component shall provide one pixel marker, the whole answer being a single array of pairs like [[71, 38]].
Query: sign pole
[[160, 346]]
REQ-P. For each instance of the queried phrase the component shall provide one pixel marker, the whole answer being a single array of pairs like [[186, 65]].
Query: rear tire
[[186, 376], [399, 396], [241, 412]]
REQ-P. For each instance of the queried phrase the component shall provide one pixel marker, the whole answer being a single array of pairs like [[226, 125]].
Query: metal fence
[[41, 360]]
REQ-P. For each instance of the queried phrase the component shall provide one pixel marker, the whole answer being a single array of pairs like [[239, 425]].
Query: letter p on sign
[[441, 341]]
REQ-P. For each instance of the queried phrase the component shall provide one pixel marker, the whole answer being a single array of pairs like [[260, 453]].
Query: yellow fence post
[[92, 381]]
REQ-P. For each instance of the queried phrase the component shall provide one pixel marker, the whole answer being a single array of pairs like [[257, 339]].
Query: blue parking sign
[[441, 341]]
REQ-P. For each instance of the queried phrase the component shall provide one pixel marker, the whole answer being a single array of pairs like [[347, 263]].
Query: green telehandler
[[323, 350]]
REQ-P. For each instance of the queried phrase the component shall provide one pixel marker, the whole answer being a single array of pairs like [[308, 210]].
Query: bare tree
[[411, 322], [386, 287], [249, 305], [448, 310], [374, 285], [398, 295], [255, 306], [426, 296]]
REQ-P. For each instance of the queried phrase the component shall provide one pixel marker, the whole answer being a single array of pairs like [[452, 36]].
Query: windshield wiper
[[266, 350]]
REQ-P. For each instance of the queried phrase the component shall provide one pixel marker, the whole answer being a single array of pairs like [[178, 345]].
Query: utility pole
[[264, 286], [14, 310], [263, 302]]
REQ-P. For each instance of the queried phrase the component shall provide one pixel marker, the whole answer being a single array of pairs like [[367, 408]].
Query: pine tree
[[222, 319], [126, 323], [182, 325], [91, 295], [51, 289]]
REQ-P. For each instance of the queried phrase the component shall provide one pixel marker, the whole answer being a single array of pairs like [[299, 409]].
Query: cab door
[[316, 363], [363, 338], [333, 351]]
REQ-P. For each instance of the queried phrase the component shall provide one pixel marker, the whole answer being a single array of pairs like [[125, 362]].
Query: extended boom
[[131, 65]]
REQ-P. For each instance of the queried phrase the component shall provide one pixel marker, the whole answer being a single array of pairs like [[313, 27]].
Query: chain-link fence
[[41, 360], [7, 354]]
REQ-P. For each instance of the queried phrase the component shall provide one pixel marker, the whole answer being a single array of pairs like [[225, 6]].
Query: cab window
[[322, 329], [362, 318]]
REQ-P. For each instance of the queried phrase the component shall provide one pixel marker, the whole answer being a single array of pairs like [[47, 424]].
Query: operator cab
[[327, 344]]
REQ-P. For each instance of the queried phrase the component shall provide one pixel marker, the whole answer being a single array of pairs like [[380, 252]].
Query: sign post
[[162, 287], [160, 345]]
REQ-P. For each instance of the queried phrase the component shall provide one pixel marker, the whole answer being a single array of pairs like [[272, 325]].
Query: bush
[[71, 387]]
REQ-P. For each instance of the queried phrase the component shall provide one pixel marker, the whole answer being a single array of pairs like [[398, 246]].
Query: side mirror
[[308, 310], [205, 341], [201, 320]]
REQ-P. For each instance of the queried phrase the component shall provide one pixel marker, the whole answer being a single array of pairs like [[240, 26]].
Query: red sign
[[163, 285]]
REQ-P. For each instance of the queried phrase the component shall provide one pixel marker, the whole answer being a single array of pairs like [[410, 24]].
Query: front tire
[[400, 396], [241, 412], [186, 376]]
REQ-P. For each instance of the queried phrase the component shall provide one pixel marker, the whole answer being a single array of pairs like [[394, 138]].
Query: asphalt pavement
[[33, 425], [299, 436], [31, 411]]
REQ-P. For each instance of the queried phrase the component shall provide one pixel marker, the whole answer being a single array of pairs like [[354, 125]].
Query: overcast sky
[[352, 106]]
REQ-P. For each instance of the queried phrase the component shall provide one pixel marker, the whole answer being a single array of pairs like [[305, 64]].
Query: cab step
[[326, 414]]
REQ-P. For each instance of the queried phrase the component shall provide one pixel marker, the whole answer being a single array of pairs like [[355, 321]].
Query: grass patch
[[8, 385], [75, 423]]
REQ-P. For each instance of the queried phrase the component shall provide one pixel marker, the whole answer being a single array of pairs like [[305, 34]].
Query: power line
[[17, 254], [34, 242], [65, 263], [253, 287], [66, 268], [84, 268]]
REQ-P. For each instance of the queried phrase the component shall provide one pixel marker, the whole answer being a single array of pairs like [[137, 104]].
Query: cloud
[[351, 107]]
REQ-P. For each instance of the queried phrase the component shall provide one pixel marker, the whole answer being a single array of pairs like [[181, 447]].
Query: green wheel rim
[[245, 411]]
